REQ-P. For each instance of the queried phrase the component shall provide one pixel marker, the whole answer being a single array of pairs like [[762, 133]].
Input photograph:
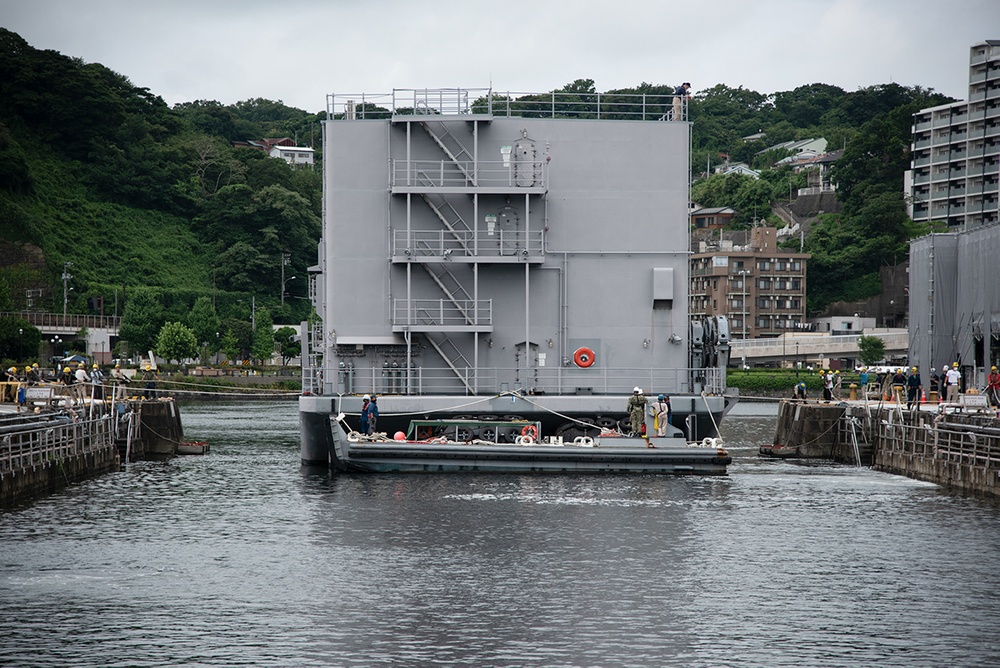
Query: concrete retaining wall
[[23, 485]]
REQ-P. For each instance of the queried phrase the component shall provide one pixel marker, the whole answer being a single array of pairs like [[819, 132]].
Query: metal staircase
[[455, 152]]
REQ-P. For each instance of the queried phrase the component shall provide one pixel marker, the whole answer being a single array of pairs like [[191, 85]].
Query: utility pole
[[65, 279]]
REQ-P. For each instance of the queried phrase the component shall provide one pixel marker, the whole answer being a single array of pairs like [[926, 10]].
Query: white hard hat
[[366, 397], [636, 389]]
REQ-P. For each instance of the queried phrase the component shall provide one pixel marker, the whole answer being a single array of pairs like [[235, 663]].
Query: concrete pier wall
[[953, 448], [42, 454], [160, 430], [956, 450]]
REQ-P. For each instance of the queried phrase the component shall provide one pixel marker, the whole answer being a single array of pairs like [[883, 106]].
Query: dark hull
[[610, 455]]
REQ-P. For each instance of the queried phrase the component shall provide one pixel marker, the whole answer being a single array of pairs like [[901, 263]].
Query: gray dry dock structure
[[955, 302], [492, 255]]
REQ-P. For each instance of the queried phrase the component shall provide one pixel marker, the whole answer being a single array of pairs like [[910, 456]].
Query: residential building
[[760, 288], [281, 147], [817, 169], [811, 146], [712, 217], [956, 151], [736, 168], [293, 155]]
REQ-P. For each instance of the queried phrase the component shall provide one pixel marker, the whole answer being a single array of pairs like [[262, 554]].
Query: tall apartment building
[[956, 151], [759, 288]]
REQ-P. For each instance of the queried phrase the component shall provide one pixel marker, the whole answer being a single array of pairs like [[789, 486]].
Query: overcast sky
[[298, 51]]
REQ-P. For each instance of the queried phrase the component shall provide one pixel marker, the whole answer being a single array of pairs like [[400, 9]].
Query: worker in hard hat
[[661, 412], [149, 380], [993, 387], [827, 385], [952, 379], [636, 410], [81, 374], [97, 383], [366, 402], [67, 377], [34, 374], [914, 388], [118, 381], [898, 385]]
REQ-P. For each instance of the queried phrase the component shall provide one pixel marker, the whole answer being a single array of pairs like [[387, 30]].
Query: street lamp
[[20, 343], [283, 281], [65, 279], [286, 258], [797, 362]]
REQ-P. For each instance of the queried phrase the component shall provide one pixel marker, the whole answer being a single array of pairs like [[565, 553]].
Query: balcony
[[500, 246], [450, 177], [442, 315]]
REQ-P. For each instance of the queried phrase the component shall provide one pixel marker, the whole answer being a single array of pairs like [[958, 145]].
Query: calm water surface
[[241, 558]]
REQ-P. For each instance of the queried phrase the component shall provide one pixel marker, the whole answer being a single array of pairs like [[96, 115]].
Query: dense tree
[[237, 339], [19, 340], [263, 336], [287, 346], [204, 322], [871, 350], [142, 320], [176, 341]]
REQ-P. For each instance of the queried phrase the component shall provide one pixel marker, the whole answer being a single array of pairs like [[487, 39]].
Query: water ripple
[[241, 558]]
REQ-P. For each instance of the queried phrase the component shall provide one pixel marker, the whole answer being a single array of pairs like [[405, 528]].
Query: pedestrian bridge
[[812, 349], [57, 330]]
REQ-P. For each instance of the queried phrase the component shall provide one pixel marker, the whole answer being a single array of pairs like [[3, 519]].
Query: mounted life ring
[[583, 357], [530, 431]]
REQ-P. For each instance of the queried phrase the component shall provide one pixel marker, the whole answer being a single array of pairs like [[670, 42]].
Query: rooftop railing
[[485, 101]]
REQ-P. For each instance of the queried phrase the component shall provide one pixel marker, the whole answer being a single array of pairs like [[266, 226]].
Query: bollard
[[933, 396], [853, 396]]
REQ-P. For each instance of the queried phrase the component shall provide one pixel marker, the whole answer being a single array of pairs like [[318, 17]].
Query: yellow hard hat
[[993, 368], [95, 366], [65, 369], [954, 363], [35, 365], [914, 368], [148, 367], [837, 372], [118, 366]]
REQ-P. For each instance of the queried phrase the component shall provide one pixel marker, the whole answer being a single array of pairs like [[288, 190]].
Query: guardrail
[[481, 174], [438, 243], [492, 380], [28, 441], [967, 445], [468, 101], [71, 321]]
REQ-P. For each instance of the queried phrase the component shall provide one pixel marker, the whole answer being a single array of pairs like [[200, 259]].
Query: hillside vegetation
[[102, 174]]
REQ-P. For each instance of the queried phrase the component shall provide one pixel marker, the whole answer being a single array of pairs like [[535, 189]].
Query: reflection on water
[[241, 558]]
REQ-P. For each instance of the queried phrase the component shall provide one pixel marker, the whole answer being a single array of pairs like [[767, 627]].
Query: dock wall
[[956, 449], [961, 451], [42, 454]]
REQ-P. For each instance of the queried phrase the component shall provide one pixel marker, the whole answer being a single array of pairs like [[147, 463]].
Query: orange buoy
[[583, 357]]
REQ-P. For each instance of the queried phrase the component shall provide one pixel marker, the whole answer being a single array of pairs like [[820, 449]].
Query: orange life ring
[[530, 430], [583, 357]]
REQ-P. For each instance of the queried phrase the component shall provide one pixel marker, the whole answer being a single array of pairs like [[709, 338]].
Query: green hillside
[[97, 172], [101, 174]]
